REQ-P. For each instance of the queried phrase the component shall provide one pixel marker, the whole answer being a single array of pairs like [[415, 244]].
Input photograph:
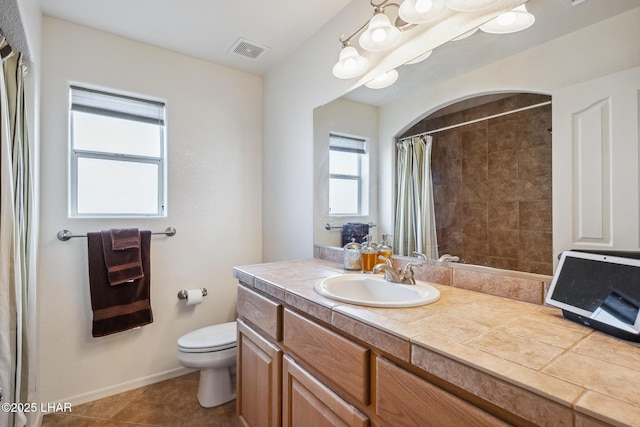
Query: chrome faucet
[[443, 258], [420, 255], [448, 257], [390, 274]]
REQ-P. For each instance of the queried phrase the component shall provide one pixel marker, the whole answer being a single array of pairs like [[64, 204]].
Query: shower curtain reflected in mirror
[[415, 229]]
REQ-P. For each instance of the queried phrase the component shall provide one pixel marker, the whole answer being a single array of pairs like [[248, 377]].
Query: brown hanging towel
[[122, 307]]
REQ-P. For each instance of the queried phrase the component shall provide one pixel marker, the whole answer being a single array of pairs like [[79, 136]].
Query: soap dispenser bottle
[[384, 248], [369, 255], [352, 259]]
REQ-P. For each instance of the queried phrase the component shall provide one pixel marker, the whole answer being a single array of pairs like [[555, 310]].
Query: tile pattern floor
[[170, 403]]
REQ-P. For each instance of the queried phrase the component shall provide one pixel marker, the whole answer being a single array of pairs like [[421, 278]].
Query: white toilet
[[213, 351]]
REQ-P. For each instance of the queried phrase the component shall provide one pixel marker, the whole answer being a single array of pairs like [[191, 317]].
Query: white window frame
[[110, 104], [355, 145]]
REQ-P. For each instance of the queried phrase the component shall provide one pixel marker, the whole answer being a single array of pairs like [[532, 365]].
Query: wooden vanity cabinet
[[293, 371]]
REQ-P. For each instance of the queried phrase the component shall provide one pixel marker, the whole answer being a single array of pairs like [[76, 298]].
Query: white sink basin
[[373, 290]]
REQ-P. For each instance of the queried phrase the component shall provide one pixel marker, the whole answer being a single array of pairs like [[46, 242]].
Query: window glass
[[93, 132], [346, 158], [117, 155], [343, 163], [344, 196], [117, 187]]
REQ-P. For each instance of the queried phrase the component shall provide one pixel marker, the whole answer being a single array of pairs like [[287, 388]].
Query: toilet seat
[[209, 339]]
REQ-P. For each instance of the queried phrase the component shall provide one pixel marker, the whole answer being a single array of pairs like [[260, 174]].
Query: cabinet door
[[405, 400], [259, 370], [309, 403]]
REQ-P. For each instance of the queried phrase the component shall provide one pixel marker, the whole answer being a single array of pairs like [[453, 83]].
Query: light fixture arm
[[377, 8], [346, 41]]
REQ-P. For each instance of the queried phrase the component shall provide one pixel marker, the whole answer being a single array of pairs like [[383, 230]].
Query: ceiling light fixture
[[468, 5], [383, 80], [512, 21], [421, 11], [350, 64], [448, 20], [420, 58], [380, 34]]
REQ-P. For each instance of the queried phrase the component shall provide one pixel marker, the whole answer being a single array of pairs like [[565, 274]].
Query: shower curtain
[[415, 229], [17, 242]]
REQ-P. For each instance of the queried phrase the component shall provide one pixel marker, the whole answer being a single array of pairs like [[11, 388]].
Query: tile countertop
[[523, 357]]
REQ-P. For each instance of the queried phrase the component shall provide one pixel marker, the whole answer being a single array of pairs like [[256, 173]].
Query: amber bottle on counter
[[384, 248], [369, 255]]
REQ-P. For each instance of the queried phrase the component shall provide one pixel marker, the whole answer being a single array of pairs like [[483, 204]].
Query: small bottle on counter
[[369, 255], [352, 260], [384, 248]]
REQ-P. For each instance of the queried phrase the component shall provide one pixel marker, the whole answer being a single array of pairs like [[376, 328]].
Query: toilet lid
[[210, 338]]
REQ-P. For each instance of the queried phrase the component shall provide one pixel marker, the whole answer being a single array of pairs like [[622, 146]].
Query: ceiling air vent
[[248, 49]]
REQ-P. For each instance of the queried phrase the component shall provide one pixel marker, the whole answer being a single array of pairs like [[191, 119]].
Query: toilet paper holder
[[182, 294]]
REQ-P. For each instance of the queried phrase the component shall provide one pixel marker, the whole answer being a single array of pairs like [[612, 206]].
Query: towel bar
[[330, 227], [65, 235]]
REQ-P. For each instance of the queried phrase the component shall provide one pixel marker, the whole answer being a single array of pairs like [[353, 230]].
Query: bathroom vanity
[[468, 359]]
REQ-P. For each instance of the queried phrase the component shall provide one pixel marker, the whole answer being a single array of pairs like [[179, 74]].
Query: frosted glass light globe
[[380, 34], [350, 64]]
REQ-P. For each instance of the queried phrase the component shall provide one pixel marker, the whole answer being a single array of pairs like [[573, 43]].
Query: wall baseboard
[[126, 386], [36, 418]]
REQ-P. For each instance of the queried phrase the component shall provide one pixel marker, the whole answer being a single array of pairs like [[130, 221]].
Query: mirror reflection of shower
[[491, 174]]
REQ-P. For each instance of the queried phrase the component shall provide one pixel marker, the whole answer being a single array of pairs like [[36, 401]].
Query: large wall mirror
[[490, 152], [490, 169]]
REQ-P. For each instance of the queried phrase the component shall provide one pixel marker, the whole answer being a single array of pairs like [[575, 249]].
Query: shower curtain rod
[[476, 120]]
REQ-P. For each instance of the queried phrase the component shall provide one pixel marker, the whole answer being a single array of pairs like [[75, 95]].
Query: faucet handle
[[386, 260], [408, 268], [420, 255]]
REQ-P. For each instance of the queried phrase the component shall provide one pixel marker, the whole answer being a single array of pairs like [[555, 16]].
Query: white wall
[[348, 118], [214, 128], [304, 82], [291, 92]]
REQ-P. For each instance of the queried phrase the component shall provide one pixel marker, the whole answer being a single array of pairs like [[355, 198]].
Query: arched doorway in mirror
[[491, 174]]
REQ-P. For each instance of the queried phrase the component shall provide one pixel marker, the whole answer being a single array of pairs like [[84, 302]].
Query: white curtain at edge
[[17, 243], [415, 214]]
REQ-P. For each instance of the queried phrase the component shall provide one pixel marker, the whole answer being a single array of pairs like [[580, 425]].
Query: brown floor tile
[[171, 403], [166, 403], [65, 420], [107, 407]]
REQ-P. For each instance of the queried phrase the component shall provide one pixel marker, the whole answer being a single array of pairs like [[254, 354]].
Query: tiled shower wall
[[492, 184]]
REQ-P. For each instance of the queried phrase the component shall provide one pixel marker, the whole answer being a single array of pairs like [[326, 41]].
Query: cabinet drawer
[[261, 311], [404, 399], [339, 360]]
